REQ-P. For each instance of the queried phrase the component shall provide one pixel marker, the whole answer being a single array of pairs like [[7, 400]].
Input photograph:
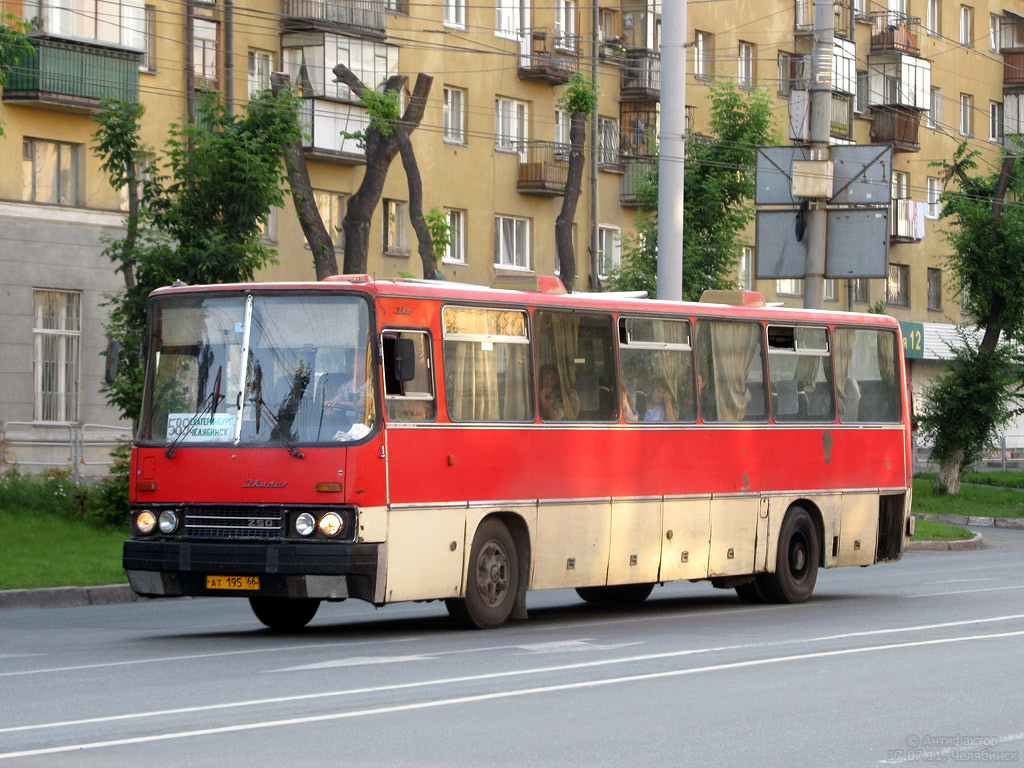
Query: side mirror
[[113, 354], [405, 360]]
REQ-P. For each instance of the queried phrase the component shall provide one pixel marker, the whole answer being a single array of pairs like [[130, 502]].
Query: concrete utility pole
[[595, 141], [820, 91], [672, 149]]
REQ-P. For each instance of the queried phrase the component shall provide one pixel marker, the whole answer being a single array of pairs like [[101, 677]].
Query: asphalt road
[[914, 662]]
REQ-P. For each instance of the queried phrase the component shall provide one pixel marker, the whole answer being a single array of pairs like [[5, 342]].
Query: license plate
[[233, 582]]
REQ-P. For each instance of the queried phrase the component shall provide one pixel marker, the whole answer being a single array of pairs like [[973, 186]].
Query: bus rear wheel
[[491, 579], [796, 567], [617, 594], [283, 614]]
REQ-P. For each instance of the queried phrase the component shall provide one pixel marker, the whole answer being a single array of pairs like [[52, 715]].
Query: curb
[[1015, 523], [66, 597], [946, 546]]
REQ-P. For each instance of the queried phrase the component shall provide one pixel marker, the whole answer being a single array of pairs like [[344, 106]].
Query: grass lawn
[[40, 550], [926, 530], [986, 500]]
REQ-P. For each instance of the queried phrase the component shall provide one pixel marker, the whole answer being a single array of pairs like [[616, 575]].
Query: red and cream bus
[[414, 440]]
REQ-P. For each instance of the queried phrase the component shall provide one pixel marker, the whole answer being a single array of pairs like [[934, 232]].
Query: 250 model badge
[[263, 484]]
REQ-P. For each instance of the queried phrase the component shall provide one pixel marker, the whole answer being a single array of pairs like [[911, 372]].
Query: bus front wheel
[[796, 567], [491, 579], [284, 614]]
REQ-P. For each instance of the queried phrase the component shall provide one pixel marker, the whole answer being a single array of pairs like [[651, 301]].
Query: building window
[[704, 54], [789, 287], [565, 24], [511, 242], [860, 290], [205, 53], [454, 110], [934, 190], [935, 113], [49, 172], [332, 210], [860, 7], [934, 288], [148, 61], [860, 104], [268, 228], [608, 251], [966, 114], [746, 66], [967, 26], [995, 121], [900, 184], [510, 132], [455, 13], [397, 6], [829, 293], [993, 32], [747, 269], [57, 338], [897, 285], [932, 17], [394, 239], [260, 65], [455, 251], [608, 28], [511, 18], [562, 129], [608, 141], [791, 73]]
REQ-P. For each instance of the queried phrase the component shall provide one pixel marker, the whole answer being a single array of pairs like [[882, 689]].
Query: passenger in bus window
[[660, 407], [550, 399]]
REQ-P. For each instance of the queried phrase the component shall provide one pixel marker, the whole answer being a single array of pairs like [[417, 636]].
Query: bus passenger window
[[656, 370], [577, 349], [487, 364], [408, 399], [867, 382], [730, 371], [800, 372]]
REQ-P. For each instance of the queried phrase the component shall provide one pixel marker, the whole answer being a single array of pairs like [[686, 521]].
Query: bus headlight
[[145, 522], [331, 524], [305, 524], [168, 521]]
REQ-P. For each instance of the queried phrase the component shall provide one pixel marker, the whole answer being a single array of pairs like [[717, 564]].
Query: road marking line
[[965, 591], [334, 716]]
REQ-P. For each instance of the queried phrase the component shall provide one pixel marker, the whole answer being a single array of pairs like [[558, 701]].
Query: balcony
[[906, 220], [324, 121], [636, 179], [896, 125], [364, 15], [641, 75], [1013, 69], [803, 19], [894, 32], [638, 127], [74, 76], [547, 57], [840, 117], [543, 168]]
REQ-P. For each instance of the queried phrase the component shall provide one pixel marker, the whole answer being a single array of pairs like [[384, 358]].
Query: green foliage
[[580, 95], [107, 499], [972, 499], [718, 204], [55, 491], [926, 530], [440, 229], [878, 308], [14, 48], [639, 270], [965, 408], [383, 110], [201, 214]]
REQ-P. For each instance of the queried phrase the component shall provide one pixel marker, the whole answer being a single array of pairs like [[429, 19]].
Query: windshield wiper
[[276, 433], [214, 399]]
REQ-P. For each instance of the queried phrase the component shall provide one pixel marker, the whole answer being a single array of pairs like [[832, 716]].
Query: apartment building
[[921, 75]]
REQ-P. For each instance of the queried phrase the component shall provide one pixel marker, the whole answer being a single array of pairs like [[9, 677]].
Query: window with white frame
[[900, 184], [745, 77], [510, 132], [565, 23], [511, 242], [830, 289], [966, 114], [268, 227], [332, 210], [455, 13], [50, 171], [454, 115], [860, 104], [57, 339], [260, 65], [395, 239], [608, 141], [967, 26], [609, 258], [562, 124], [934, 119], [511, 18], [934, 190], [704, 53], [206, 53], [995, 121], [790, 287], [455, 251], [148, 61], [120, 22], [932, 17], [993, 32], [791, 72], [860, 7], [747, 269]]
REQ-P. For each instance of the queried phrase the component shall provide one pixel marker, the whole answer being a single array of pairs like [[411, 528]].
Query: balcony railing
[[906, 220], [322, 125], [547, 57], [894, 31], [897, 126], [543, 168], [365, 14], [76, 75], [841, 117], [638, 170], [803, 19], [641, 75]]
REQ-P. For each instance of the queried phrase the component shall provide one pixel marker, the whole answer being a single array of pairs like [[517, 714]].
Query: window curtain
[[673, 367], [565, 330], [734, 348], [849, 396]]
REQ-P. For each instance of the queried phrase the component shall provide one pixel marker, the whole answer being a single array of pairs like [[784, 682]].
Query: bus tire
[[618, 594], [492, 579], [796, 567], [284, 614]]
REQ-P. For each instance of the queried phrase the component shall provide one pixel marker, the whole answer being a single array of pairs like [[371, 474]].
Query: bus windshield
[[258, 369]]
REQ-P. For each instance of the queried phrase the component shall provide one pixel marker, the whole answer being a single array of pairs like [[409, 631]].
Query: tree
[[14, 48], [201, 222], [719, 196], [579, 100], [963, 411], [382, 140]]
